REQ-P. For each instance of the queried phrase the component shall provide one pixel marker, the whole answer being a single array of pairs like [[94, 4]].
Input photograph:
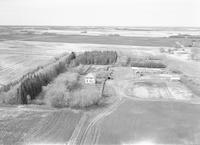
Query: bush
[[37, 102], [10, 97], [162, 50], [80, 98], [59, 87], [66, 91], [58, 102], [56, 91], [176, 71], [85, 97], [72, 86]]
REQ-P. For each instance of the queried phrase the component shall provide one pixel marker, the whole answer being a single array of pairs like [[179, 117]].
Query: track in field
[[57, 127], [88, 130]]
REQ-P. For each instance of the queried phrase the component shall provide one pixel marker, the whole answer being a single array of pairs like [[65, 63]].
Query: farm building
[[90, 78]]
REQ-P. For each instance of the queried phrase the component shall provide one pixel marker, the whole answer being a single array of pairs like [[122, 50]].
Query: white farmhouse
[[90, 78]]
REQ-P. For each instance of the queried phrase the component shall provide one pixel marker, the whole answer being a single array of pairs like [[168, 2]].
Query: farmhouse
[[90, 78]]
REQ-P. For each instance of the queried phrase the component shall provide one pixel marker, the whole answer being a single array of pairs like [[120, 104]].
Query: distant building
[[90, 78]]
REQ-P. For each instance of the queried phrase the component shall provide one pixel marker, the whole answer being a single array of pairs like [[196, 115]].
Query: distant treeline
[[148, 64], [96, 58], [31, 84]]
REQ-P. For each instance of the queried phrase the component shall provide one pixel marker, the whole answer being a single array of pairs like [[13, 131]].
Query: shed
[[90, 78]]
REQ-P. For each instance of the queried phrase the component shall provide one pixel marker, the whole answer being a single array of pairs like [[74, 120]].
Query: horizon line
[[99, 26]]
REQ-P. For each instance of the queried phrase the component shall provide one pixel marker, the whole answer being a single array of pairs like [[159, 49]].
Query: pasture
[[18, 58], [152, 122], [35, 125]]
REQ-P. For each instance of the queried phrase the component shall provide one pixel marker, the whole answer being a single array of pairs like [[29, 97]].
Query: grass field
[[19, 57], [35, 125], [152, 122], [113, 40]]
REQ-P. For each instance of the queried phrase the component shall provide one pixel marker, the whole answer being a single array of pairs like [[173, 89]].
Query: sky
[[100, 12]]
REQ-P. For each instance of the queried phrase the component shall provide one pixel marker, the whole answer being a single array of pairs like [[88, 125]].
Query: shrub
[[10, 97], [85, 97], [176, 71], [72, 86], [58, 102], [162, 50], [59, 87], [56, 91], [37, 102], [80, 98], [66, 91]]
